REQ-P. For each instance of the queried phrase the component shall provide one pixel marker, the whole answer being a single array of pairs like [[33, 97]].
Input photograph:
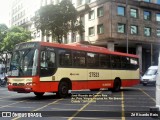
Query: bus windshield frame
[[24, 61]]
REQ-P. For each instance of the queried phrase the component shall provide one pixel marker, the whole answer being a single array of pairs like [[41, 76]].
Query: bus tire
[[116, 85], [63, 89], [39, 94]]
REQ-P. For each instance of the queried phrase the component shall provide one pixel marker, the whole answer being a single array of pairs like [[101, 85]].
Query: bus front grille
[[18, 84]]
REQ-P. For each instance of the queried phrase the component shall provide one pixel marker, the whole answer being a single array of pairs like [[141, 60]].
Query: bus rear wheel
[[39, 94], [116, 85], [63, 89]]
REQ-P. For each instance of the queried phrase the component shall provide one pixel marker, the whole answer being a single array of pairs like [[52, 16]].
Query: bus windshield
[[24, 62]]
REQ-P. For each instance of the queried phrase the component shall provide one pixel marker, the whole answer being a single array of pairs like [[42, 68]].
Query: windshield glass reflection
[[24, 62]]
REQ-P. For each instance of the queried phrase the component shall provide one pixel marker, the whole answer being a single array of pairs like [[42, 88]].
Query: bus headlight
[[9, 83], [29, 84], [153, 79]]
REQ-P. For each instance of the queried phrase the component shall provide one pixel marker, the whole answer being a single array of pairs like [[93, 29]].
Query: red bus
[[41, 67]]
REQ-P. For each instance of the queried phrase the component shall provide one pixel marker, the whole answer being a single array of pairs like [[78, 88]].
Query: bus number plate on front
[[93, 74]]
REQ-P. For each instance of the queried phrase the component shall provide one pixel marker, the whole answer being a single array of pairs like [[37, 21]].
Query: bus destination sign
[[25, 46]]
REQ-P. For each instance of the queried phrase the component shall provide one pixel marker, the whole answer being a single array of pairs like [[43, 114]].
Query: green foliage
[[3, 32], [14, 36], [57, 20]]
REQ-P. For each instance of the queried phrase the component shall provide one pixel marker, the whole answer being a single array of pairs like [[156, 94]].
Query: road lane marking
[[47, 105], [147, 94], [40, 108], [82, 108], [122, 104], [62, 109], [12, 104]]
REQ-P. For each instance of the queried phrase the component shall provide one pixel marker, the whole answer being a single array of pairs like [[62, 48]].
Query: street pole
[[127, 25], [151, 54]]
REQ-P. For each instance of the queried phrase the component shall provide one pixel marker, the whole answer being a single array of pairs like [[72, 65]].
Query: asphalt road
[[129, 104]]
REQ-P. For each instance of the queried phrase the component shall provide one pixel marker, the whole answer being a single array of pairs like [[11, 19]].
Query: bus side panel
[[131, 80], [46, 87], [92, 84], [129, 83], [78, 77], [100, 84], [99, 78]]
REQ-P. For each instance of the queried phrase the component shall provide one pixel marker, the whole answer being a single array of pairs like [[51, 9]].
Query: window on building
[[133, 13], [121, 10], [121, 28], [147, 31], [158, 1], [147, 0], [100, 29], [100, 12], [91, 31], [134, 29], [158, 17], [91, 15], [147, 15], [158, 32]]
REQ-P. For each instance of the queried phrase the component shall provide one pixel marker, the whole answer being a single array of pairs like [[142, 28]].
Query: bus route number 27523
[[93, 74]]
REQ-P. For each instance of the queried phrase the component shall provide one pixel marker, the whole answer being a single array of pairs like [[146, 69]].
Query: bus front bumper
[[20, 89]]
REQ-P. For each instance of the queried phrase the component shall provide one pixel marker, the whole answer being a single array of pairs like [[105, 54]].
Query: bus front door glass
[[24, 62], [47, 63]]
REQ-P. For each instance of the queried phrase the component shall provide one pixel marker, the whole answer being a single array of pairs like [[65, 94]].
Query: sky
[[4, 11]]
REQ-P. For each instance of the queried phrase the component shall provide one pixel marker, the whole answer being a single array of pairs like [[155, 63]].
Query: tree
[[3, 32], [57, 20], [14, 36]]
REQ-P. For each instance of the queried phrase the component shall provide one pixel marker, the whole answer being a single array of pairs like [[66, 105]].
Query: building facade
[[131, 26]]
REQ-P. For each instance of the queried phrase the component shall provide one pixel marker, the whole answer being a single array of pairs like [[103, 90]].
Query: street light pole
[[127, 25]]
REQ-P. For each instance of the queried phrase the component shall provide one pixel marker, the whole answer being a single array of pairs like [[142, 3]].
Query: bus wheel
[[63, 89], [39, 94], [117, 85]]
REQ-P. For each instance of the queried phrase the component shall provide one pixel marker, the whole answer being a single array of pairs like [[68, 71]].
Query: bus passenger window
[[104, 61], [65, 58], [92, 60], [134, 63], [125, 62], [79, 59], [116, 62]]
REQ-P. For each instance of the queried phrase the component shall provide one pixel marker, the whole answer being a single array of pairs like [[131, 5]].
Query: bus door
[[47, 66]]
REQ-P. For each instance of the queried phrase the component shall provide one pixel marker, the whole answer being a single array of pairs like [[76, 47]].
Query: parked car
[[150, 76]]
